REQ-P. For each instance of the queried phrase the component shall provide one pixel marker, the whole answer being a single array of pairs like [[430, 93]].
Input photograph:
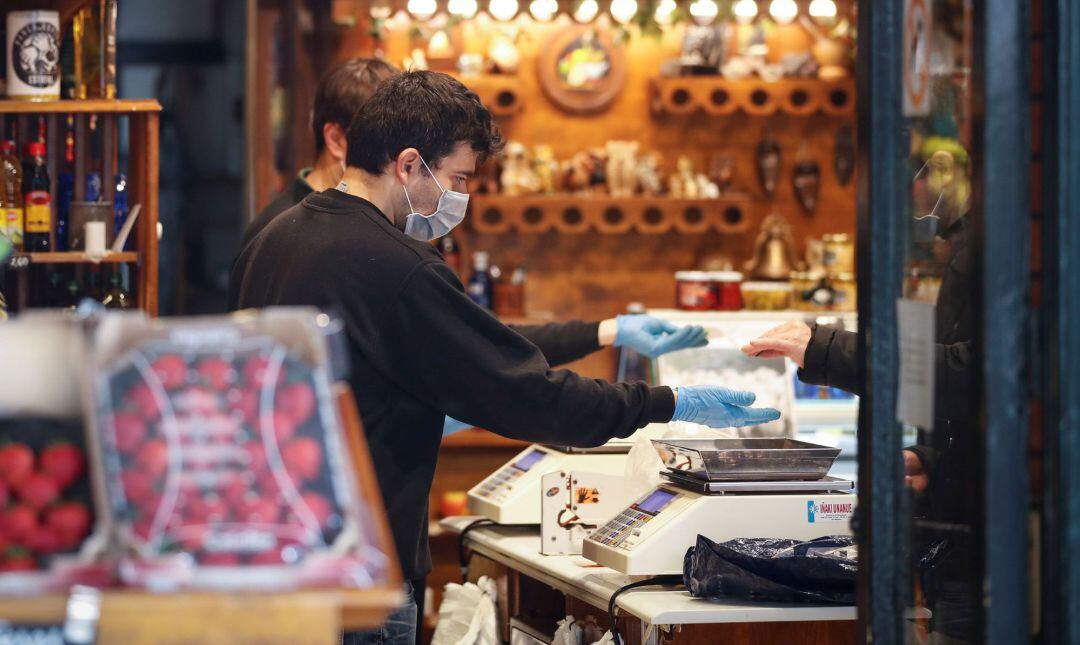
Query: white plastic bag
[[567, 633], [467, 615], [608, 639], [643, 465]]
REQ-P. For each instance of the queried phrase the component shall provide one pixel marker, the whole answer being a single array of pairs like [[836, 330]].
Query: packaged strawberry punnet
[[224, 460], [47, 518]]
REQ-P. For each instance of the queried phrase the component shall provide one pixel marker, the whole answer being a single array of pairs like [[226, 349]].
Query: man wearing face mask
[[419, 347]]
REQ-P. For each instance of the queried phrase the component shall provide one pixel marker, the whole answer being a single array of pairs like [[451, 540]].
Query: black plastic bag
[[818, 571]]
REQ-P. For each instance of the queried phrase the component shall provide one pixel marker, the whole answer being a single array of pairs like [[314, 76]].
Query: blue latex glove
[[719, 407], [653, 336], [451, 425]]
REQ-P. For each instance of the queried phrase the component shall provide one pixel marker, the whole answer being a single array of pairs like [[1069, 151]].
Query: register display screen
[[656, 501], [529, 460]]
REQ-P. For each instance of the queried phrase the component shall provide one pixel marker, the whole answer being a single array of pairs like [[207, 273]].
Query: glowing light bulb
[[422, 9], [586, 11], [783, 11], [544, 10], [623, 10], [665, 11], [462, 8], [745, 11], [503, 9], [703, 11], [822, 9]]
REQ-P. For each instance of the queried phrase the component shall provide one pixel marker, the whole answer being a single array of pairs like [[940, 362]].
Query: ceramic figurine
[[622, 179], [598, 173], [683, 184], [648, 171], [722, 171], [545, 167], [578, 172], [844, 155], [768, 162], [706, 189], [703, 49], [518, 177]]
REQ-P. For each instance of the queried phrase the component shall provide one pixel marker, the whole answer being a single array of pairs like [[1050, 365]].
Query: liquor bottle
[[11, 198], [37, 200], [94, 33], [481, 288], [65, 188], [451, 252], [120, 207], [116, 297]]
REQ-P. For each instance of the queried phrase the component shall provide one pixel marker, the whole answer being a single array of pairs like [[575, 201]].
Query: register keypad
[[620, 529], [499, 484]]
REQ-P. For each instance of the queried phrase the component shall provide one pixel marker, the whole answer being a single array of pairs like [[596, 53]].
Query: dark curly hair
[[429, 111], [344, 89]]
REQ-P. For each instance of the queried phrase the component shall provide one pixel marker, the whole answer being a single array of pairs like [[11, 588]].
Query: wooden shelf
[[501, 93], [72, 257], [718, 96], [88, 106], [138, 617], [477, 438], [581, 213]]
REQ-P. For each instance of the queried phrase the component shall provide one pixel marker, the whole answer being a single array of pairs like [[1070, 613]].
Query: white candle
[[95, 240]]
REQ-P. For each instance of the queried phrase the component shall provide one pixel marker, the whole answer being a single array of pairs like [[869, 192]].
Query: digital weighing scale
[[736, 495]]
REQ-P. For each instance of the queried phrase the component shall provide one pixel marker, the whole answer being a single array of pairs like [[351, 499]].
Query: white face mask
[[448, 214]]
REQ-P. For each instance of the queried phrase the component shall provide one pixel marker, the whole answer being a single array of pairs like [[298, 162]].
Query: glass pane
[[942, 453]]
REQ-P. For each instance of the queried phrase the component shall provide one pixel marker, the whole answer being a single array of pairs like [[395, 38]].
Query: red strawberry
[[130, 430], [142, 399], [63, 462], [296, 401], [171, 369], [236, 491], [217, 372], [303, 458], [255, 372], [16, 463], [247, 402], [138, 486], [44, 540], [256, 453], [18, 522], [320, 508], [153, 458], [202, 509], [284, 426], [71, 521], [3, 495], [38, 491], [219, 559], [18, 560], [192, 537], [260, 511], [141, 529]]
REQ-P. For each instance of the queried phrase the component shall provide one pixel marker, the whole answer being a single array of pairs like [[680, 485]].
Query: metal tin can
[[33, 55]]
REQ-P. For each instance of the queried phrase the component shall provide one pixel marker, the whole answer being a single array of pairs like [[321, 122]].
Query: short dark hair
[[343, 90], [429, 111]]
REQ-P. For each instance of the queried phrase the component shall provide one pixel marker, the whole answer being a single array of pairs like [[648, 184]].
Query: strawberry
[[64, 462], [141, 398], [44, 540], [171, 369], [16, 463], [284, 426], [319, 507], [38, 491], [202, 509], [153, 458], [18, 522], [296, 401], [4, 495], [217, 373], [192, 537], [130, 430], [18, 560], [255, 372], [70, 521], [5, 541], [256, 455], [219, 559], [303, 458], [247, 402], [259, 511], [138, 486]]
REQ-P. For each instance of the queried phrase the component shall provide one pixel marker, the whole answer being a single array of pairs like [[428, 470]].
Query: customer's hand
[[719, 407], [915, 476], [788, 340], [452, 425], [653, 336]]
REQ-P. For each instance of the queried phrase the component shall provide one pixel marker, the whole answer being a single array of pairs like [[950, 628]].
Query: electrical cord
[[647, 582], [463, 558]]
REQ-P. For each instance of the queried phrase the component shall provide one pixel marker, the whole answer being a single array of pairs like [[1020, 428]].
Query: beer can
[[33, 55]]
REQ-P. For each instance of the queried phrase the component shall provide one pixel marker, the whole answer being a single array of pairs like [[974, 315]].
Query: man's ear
[[337, 143], [406, 163]]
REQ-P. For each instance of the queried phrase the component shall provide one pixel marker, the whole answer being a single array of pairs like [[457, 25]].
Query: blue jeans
[[399, 628]]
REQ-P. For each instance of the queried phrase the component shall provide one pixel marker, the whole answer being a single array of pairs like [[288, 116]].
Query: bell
[[774, 251]]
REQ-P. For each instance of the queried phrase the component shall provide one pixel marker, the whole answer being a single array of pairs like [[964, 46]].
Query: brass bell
[[774, 250]]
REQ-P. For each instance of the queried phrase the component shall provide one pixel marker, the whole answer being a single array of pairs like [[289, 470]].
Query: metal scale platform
[[725, 489]]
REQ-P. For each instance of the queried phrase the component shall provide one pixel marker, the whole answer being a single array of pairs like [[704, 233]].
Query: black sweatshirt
[[420, 349]]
